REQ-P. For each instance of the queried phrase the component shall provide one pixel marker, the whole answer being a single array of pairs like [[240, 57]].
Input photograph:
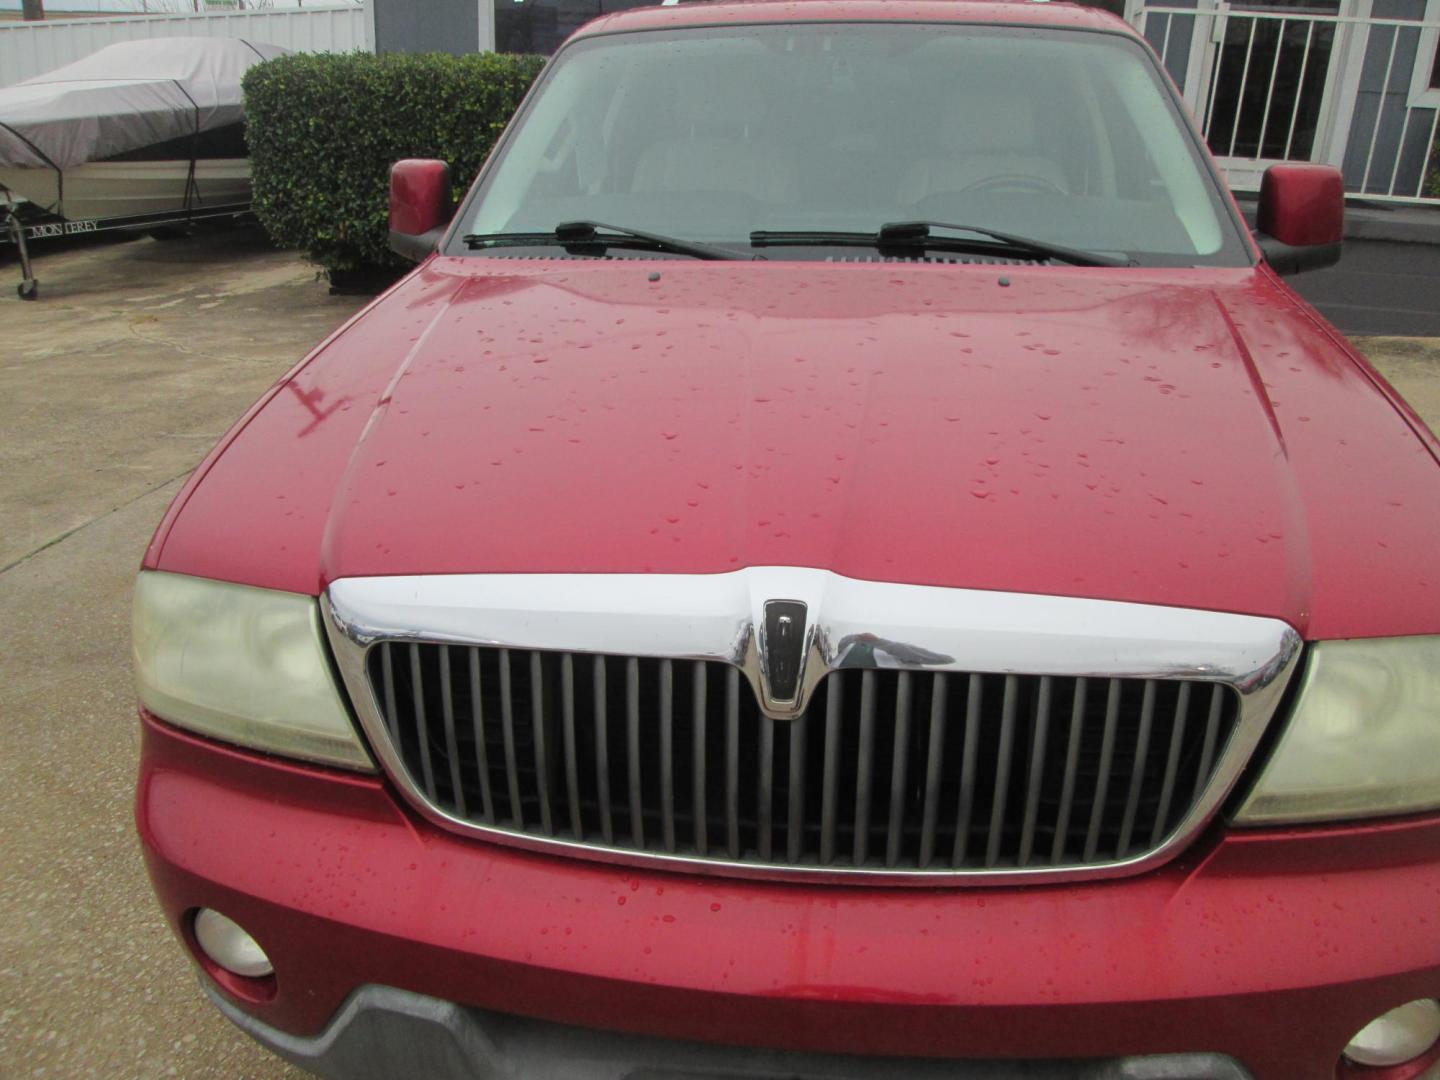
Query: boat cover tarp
[[124, 97]]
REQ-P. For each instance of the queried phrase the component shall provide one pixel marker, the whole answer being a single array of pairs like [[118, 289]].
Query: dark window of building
[[539, 26], [1270, 80]]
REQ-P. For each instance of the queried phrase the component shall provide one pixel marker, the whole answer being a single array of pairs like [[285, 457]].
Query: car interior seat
[[712, 142], [987, 141]]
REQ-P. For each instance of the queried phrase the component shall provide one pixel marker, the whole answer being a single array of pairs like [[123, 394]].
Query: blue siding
[[1381, 111], [1182, 34]]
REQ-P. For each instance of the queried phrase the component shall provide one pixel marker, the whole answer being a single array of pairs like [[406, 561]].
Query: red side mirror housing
[[1300, 222], [420, 206]]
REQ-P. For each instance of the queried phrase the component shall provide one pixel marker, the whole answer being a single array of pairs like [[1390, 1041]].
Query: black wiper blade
[[590, 232], [920, 233], [583, 231], [916, 234], [811, 237]]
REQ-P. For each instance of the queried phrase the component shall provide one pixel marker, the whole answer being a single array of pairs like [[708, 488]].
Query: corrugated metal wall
[[28, 49]]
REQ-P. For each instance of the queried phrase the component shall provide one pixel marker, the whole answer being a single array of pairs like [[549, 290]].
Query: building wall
[[33, 48], [449, 26], [1383, 114], [539, 26], [1171, 35], [461, 26]]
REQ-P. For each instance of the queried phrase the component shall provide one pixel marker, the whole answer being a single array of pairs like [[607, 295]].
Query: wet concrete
[[1378, 287], [112, 386], [136, 359], [1412, 365]]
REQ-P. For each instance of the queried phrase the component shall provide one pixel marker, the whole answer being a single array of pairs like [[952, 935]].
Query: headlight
[[242, 664], [1364, 738]]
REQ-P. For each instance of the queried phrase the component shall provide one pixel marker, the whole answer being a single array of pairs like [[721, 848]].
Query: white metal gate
[[1351, 83]]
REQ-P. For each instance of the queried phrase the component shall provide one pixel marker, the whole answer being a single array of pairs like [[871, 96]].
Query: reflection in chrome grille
[[885, 770]]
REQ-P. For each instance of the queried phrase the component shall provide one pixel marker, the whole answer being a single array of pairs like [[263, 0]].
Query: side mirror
[[419, 206], [1300, 222]]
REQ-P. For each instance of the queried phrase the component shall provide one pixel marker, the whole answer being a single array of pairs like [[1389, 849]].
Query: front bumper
[[1271, 949], [381, 1033]]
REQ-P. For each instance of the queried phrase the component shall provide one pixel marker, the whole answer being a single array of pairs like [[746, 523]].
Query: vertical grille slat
[[477, 725], [387, 676], [864, 769], [1072, 765], [1102, 776], [1037, 770], [698, 709], [667, 754], [795, 819], [632, 752], [507, 721], [900, 761], [1212, 729], [1172, 765], [1137, 771], [422, 726], [452, 748], [572, 765], [732, 764], [601, 691], [538, 720], [948, 771], [764, 790], [973, 698], [1002, 771], [934, 758], [830, 780]]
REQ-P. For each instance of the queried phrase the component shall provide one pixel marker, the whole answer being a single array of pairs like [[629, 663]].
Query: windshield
[[710, 134]]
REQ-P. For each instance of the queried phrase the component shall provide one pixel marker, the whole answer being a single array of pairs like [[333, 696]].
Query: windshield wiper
[[588, 232], [917, 234]]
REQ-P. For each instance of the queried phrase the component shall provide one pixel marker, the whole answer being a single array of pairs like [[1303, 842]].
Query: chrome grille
[[885, 770]]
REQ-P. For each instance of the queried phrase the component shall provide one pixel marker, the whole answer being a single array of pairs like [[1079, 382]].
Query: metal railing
[[1278, 85]]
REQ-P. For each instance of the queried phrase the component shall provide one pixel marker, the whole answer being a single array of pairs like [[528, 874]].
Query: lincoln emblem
[[783, 648]]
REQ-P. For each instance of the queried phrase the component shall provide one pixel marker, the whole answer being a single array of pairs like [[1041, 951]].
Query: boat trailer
[[15, 231], [140, 95]]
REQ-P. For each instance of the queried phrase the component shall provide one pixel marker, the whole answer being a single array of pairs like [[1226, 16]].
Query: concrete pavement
[[1413, 367], [111, 388]]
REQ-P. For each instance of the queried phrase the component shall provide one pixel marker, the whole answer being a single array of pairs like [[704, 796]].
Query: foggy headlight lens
[[1364, 738], [241, 664]]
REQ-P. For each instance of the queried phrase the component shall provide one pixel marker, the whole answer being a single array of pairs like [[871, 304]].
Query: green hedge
[[324, 129]]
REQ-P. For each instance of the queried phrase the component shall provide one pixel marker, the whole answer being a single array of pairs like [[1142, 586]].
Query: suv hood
[[1192, 438]]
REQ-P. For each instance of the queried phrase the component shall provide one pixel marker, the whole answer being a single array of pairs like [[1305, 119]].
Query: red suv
[[844, 559]]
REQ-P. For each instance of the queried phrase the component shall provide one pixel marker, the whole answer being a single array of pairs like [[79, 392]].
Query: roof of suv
[[1039, 13]]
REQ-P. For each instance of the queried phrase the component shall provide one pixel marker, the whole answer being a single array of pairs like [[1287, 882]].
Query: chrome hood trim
[[851, 624]]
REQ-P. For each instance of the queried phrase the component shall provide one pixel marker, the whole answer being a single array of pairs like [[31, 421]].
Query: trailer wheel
[[28, 290]]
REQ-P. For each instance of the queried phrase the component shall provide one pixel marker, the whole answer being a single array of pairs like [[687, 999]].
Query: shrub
[[324, 130]]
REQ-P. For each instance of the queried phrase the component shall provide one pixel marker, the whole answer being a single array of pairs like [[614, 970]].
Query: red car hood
[[1190, 437]]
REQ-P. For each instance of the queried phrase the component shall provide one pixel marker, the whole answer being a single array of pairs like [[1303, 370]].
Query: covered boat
[[148, 127]]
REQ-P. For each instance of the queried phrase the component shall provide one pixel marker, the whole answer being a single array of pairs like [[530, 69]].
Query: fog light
[[223, 941], [1399, 1036]]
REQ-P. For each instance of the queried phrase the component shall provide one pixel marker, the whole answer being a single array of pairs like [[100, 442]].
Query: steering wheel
[[1019, 182]]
